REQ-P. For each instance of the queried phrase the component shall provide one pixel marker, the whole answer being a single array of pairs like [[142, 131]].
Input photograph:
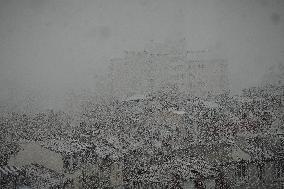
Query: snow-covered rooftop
[[179, 112], [64, 146], [136, 97], [210, 104], [6, 170], [242, 99]]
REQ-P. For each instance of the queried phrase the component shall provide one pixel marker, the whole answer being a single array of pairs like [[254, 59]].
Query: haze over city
[[49, 48]]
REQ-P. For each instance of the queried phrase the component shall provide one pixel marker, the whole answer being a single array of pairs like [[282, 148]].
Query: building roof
[[9, 170], [33, 152], [207, 104], [243, 99], [64, 146], [210, 104], [178, 112], [215, 153], [136, 97]]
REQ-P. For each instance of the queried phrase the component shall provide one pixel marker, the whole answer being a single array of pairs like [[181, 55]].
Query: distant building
[[274, 76], [153, 69]]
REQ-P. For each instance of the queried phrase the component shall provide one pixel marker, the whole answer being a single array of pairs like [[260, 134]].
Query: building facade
[[157, 68]]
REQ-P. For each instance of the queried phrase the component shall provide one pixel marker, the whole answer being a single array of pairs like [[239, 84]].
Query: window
[[260, 170], [242, 170], [279, 169]]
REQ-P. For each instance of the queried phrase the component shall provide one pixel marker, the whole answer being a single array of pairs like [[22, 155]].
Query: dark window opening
[[260, 171], [279, 169], [242, 170]]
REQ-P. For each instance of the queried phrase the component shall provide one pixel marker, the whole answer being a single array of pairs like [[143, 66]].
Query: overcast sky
[[52, 46]]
